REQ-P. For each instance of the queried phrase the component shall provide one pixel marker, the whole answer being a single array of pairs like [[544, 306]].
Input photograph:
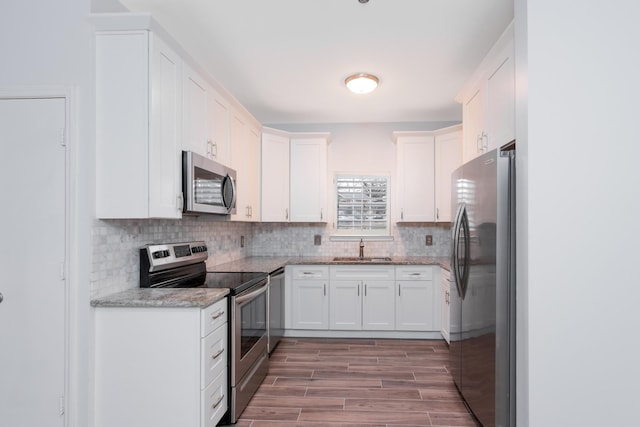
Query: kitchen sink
[[356, 259]]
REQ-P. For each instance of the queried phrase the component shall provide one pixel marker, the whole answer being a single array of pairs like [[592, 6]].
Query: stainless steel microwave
[[208, 187]]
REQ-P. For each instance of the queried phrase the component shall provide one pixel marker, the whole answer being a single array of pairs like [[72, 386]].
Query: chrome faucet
[[361, 249]]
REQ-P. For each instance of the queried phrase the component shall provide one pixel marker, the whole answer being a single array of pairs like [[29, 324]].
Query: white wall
[[50, 43], [581, 171]]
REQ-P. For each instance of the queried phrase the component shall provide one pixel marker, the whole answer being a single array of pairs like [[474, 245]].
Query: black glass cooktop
[[236, 282]]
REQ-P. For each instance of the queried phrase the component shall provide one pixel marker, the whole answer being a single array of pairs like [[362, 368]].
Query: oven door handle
[[244, 298]]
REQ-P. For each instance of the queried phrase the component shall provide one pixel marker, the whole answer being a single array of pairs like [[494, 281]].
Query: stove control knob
[[198, 249], [160, 254]]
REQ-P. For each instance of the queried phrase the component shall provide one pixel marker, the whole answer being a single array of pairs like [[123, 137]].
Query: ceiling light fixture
[[361, 83]]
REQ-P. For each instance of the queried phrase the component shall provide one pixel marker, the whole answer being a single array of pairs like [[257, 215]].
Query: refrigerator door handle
[[464, 279], [461, 271], [455, 241]]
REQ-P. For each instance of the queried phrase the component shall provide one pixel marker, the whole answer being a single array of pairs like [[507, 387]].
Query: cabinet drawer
[[214, 355], [357, 272], [309, 272], [418, 272], [213, 316], [214, 401]]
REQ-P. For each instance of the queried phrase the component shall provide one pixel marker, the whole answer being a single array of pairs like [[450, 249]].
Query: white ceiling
[[286, 60]]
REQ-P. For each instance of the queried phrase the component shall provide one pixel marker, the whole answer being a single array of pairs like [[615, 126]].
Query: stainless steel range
[[182, 265]]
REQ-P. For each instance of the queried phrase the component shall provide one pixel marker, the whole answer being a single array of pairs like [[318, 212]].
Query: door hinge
[[61, 405], [62, 136]]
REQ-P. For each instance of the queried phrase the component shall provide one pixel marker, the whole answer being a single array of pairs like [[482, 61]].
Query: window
[[362, 205]]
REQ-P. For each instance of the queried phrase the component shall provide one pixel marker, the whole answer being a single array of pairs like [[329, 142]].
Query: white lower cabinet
[[417, 302], [160, 366], [309, 297], [445, 302], [362, 298]]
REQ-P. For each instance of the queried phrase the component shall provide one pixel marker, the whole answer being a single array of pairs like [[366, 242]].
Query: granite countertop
[[183, 297], [270, 264], [204, 297]]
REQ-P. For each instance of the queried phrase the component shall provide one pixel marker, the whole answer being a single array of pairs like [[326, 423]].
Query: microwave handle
[[229, 179]]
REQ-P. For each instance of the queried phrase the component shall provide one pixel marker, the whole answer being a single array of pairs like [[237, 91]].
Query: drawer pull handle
[[215, 405], [415, 274], [217, 315], [215, 356]]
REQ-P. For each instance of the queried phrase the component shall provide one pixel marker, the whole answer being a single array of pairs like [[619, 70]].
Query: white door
[[32, 259]]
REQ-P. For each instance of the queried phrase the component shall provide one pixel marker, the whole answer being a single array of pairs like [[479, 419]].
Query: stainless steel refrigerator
[[482, 348]]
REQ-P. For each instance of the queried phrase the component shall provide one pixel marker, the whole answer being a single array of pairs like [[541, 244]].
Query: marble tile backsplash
[[116, 244], [298, 240], [116, 261]]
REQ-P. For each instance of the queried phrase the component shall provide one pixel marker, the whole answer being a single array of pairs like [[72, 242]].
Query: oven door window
[[253, 323]]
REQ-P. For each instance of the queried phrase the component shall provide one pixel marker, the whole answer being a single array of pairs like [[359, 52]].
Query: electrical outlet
[[317, 240], [242, 241], [428, 240]]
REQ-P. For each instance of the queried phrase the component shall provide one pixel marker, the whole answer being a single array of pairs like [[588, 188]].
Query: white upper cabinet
[[424, 163], [488, 100], [206, 118], [294, 176], [308, 178], [195, 115], [138, 135], [152, 103], [220, 133], [245, 159], [501, 98], [275, 176], [415, 177], [473, 118], [448, 157]]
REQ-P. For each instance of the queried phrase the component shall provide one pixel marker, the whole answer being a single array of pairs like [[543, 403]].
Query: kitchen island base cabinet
[[160, 367]]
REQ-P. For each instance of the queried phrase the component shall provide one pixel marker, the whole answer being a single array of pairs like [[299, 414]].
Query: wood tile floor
[[357, 382]]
